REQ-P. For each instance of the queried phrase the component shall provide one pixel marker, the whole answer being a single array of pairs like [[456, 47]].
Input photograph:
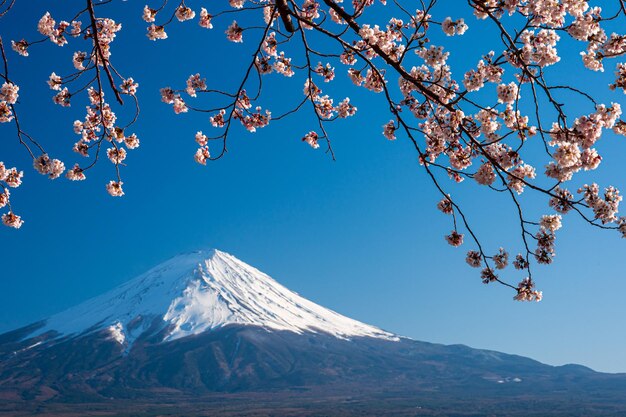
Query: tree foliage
[[472, 127]]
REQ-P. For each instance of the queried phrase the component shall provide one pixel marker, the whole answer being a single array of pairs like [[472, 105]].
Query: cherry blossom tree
[[467, 129]]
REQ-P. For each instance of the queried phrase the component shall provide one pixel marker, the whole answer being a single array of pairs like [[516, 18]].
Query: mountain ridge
[[211, 330], [199, 291]]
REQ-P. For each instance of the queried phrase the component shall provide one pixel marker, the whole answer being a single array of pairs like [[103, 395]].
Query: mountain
[[206, 333]]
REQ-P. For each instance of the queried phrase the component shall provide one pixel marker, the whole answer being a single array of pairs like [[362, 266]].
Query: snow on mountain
[[199, 291]]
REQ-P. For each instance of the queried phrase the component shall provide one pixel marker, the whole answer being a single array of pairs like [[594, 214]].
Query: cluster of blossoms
[[311, 139], [324, 105], [53, 168], [56, 33], [526, 291], [545, 238], [453, 27], [202, 154], [455, 239], [99, 125], [9, 178], [475, 79], [604, 208], [101, 33], [8, 97], [465, 135], [575, 145]]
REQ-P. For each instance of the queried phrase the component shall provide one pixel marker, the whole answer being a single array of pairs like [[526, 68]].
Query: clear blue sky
[[360, 235]]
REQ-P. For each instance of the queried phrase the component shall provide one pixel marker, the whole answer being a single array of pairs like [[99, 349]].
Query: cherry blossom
[[504, 119], [184, 13], [311, 139], [21, 47], [389, 130], [76, 173], [453, 27], [149, 15], [234, 33], [12, 220], [114, 188], [8, 93], [205, 19], [156, 32], [454, 238], [202, 154]]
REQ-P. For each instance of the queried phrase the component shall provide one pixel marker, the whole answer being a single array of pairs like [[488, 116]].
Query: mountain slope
[[206, 327], [199, 291]]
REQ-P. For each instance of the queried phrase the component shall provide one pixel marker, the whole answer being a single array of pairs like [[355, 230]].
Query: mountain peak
[[197, 292]]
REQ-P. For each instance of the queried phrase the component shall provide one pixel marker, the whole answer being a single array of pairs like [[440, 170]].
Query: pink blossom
[[21, 47], [8, 92], [55, 82], [389, 130], [180, 106], [562, 200], [116, 155], [202, 154], [283, 66], [76, 28], [167, 95], [520, 262], [13, 177], [355, 76], [445, 205], [567, 155], [11, 220], [114, 188], [149, 14], [311, 139], [4, 198], [473, 259], [508, 93], [75, 174], [551, 222], [234, 33], [56, 169], [501, 259], [373, 81], [201, 139], [218, 119], [205, 19], [78, 60], [485, 174], [455, 239], [62, 98], [131, 141], [184, 13], [620, 77], [487, 275], [516, 178], [525, 291], [345, 109], [6, 115], [46, 25], [3, 171], [156, 32], [129, 86], [451, 28], [194, 82], [433, 56], [325, 71]]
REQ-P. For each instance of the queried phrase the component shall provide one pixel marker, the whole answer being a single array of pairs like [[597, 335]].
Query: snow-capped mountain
[[204, 329], [196, 292]]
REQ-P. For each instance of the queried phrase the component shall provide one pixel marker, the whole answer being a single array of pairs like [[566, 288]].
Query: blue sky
[[360, 235]]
